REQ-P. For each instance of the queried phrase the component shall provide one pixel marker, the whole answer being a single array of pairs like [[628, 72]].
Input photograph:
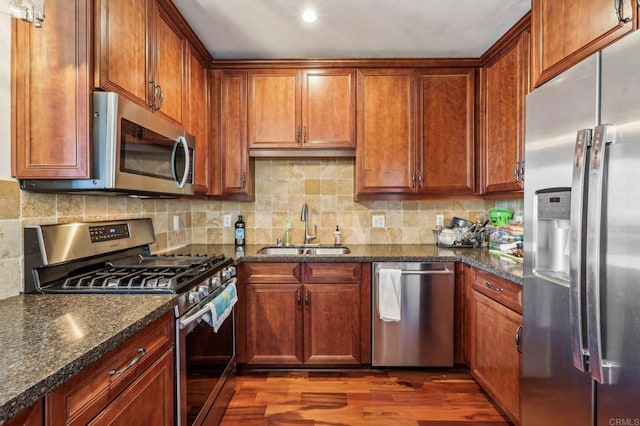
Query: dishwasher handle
[[445, 271]]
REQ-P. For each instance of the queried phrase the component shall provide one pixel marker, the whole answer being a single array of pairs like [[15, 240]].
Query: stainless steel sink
[[282, 250], [321, 251], [304, 251]]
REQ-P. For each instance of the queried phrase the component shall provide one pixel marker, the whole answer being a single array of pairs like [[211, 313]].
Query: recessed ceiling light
[[309, 15]]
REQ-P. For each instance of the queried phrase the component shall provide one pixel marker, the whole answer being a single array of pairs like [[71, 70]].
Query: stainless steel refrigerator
[[581, 295]]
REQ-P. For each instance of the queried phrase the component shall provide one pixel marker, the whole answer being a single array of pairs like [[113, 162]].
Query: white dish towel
[[389, 294]]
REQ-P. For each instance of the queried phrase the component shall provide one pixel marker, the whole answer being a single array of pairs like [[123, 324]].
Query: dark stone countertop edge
[[24, 400], [477, 258]]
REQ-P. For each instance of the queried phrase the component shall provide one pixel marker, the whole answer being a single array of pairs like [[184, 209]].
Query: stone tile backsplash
[[282, 186]]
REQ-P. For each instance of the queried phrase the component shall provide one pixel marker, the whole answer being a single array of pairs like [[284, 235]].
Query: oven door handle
[[200, 313]]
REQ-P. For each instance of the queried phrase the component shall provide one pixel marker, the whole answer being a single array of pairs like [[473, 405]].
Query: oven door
[[205, 366]]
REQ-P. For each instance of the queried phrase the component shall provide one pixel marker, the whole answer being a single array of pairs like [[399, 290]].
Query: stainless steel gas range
[[114, 257]]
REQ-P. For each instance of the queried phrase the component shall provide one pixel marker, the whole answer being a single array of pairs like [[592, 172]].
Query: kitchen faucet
[[304, 217]]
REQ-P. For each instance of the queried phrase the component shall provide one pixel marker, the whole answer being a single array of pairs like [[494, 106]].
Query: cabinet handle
[[413, 179], [493, 287], [141, 353], [298, 135], [518, 339], [618, 5], [521, 172], [161, 97], [153, 90], [307, 301], [516, 169], [304, 140], [243, 178], [299, 299]]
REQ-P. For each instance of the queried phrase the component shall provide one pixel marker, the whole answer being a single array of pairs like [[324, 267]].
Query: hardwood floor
[[363, 397]]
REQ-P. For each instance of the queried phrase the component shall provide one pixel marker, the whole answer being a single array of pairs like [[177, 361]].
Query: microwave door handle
[[602, 371], [185, 174], [579, 352]]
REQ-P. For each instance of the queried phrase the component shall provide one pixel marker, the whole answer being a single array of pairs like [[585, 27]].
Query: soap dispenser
[[337, 236]]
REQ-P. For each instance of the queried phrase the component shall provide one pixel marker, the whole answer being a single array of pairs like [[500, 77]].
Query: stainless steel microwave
[[134, 152]]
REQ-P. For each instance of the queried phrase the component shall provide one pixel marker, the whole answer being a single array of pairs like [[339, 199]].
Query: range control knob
[[226, 274], [193, 297], [215, 281], [232, 271], [203, 290]]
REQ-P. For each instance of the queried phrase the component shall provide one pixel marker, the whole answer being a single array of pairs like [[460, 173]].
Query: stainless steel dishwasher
[[424, 335]]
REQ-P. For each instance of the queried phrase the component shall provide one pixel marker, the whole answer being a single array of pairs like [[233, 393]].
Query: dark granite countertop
[[46, 339], [478, 258]]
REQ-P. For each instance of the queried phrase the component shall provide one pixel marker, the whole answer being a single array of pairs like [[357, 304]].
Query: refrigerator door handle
[[579, 352], [602, 371]]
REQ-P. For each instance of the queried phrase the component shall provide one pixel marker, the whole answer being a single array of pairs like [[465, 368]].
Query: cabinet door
[[274, 109], [51, 94], [197, 122], [31, 416], [149, 400], [331, 323], [274, 324], [565, 32], [236, 176], [495, 361], [446, 146], [328, 108], [506, 85], [169, 49], [385, 160], [123, 61]]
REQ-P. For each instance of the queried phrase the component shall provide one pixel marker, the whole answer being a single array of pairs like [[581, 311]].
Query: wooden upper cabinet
[[306, 109], [123, 64], [197, 122], [447, 136], [328, 108], [385, 159], [390, 161], [141, 54], [566, 31], [51, 94], [169, 58], [236, 167], [274, 109], [506, 84]]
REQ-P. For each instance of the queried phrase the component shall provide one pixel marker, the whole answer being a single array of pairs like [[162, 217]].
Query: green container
[[500, 216]]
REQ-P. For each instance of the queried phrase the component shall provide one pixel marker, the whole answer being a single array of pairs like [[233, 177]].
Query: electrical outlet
[[439, 220], [377, 221], [176, 223], [226, 220]]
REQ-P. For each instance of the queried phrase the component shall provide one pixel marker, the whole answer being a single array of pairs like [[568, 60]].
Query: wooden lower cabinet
[[301, 314], [494, 357], [132, 384], [148, 400]]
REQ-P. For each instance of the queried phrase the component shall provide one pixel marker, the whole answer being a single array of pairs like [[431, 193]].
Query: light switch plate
[[226, 220], [440, 219], [377, 221], [176, 223]]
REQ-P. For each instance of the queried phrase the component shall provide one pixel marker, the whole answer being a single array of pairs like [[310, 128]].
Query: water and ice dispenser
[[551, 233]]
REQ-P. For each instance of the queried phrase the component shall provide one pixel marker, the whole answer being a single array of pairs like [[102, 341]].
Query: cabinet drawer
[[279, 273], [82, 397], [502, 291], [332, 272]]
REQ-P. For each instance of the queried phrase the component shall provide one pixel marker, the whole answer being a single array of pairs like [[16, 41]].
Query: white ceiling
[[257, 29]]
